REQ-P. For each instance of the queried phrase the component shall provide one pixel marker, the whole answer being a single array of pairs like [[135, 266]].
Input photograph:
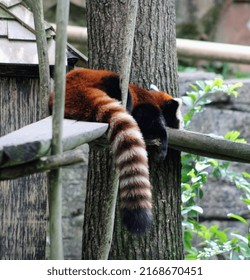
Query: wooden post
[[128, 49], [42, 50], [55, 185]]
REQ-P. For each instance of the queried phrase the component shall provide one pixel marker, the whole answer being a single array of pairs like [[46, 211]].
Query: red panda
[[93, 95]]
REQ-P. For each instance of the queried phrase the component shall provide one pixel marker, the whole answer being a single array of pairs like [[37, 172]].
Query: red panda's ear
[[178, 112], [153, 87], [172, 112]]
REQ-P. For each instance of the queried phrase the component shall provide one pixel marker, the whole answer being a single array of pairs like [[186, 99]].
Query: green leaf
[[222, 236], [199, 166], [235, 86], [187, 101], [191, 257], [194, 87], [192, 95], [237, 217], [218, 82], [246, 175], [234, 136], [246, 200], [197, 209], [201, 84]]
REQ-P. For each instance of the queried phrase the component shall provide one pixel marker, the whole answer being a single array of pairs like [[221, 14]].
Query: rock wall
[[224, 114], [220, 197]]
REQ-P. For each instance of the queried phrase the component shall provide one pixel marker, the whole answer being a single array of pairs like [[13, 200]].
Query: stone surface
[[224, 114], [74, 192]]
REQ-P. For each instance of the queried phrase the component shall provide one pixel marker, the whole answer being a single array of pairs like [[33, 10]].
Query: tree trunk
[[105, 50], [154, 61]]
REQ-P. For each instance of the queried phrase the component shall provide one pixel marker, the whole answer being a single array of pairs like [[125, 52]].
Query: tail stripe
[[128, 136], [131, 160], [136, 180], [134, 169], [135, 155]]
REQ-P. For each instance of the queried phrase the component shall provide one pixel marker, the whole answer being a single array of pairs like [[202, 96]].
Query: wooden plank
[[4, 14], [33, 141], [23, 52], [10, 3], [3, 28], [25, 16], [16, 31]]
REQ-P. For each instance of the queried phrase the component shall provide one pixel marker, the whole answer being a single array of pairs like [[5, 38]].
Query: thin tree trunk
[[55, 180], [154, 61]]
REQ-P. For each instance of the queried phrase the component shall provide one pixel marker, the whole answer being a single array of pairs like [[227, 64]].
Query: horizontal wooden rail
[[213, 51], [192, 142], [208, 145], [42, 165], [186, 48]]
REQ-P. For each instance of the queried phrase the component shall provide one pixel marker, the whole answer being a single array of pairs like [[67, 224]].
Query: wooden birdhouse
[[18, 51]]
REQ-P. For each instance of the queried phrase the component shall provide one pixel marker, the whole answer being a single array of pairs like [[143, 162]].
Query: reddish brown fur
[[86, 100], [141, 96]]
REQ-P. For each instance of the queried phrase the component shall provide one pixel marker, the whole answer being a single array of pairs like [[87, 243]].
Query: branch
[[55, 185], [43, 58], [208, 145], [42, 165], [128, 49], [199, 144]]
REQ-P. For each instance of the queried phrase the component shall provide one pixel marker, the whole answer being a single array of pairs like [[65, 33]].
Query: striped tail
[[130, 156]]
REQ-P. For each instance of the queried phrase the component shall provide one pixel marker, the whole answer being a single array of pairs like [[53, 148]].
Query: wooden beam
[[42, 165], [201, 144], [213, 51], [34, 141], [208, 145], [187, 48], [183, 140]]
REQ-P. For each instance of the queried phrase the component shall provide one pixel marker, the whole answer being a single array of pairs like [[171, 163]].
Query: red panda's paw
[[138, 220], [162, 152]]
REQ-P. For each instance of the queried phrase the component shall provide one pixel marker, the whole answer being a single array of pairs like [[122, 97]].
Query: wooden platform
[[33, 141]]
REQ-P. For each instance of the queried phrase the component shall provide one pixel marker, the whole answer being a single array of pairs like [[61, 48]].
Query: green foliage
[[203, 242], [202, 93]]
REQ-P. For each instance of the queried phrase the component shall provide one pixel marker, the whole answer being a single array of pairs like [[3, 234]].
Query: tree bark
[[154, 61], [23, 201], [105, 49]]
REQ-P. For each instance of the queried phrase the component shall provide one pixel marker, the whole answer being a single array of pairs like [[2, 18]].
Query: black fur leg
[[137, 221], [152, 125]]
